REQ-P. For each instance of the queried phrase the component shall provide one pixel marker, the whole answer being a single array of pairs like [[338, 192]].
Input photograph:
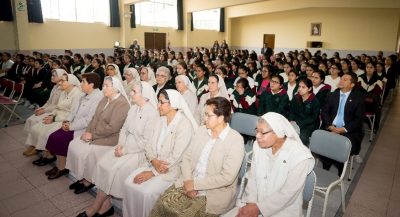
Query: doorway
[[155, 40], [270, 40]]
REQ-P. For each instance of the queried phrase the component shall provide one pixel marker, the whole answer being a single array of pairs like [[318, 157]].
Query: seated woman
[[275, 99], [204, 189], [372, 87], [97, 68], [100, 136], [305, 110], [320, 89], [243, 98], [41, 131], [131, 77], [175, 130], [39, 85], [147, 75], [73, 127], [243, 72], [275, 188], [291, 85], [201, 80], [163, 79], [117, 164], [188, 91], [334, 77], [266, 74], [216, 87], [46, 109], [112, 70]]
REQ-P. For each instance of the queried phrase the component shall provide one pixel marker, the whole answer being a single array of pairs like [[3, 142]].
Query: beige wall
[[7, 38], [62, 35], [342, 28]]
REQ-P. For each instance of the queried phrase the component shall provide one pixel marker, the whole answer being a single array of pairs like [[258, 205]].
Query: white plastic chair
[[335, 147]]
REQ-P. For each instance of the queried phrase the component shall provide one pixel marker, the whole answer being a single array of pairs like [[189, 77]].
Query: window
[[86, 11], [161, 13], [208, 19]]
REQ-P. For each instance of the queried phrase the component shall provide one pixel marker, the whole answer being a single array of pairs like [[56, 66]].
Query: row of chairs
[[10, 95], [322, 143]]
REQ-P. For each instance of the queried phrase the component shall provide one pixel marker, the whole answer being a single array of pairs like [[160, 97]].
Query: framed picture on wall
[[316, 29]]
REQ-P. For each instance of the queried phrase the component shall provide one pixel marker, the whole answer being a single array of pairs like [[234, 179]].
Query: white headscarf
[[134, 72], [117, 85], [59, 72], [281, 126], [187, 82], [148, 93], [117, 72], [73, 80], [177, 101], [222, 88], [151, 75]]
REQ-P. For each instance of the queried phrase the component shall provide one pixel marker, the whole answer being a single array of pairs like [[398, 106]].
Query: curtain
[[133, 18], [34, 8], [222, 20], [180, 14], [114, 14], [191, 21], [6, 11]]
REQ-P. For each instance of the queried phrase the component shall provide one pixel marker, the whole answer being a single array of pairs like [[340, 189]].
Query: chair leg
[[325, 202], [351, 167], [343, 196], [13, 113]]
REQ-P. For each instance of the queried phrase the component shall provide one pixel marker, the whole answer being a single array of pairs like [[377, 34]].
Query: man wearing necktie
[[343, 114]]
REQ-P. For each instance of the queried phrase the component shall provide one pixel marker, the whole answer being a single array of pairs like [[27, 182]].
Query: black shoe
[[83, 188], [75, 184], [109, 212], [82, 214], [49, 172], [35, 162], [46, 161], [58, 174]]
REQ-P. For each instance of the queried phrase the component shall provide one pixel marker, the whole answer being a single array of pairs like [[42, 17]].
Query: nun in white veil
[[113, 71], [46, 109], [100, 136], [188, 91], [69, 97], [147, 74], [216, 87], [174, 132], [279, 168], [131, 77], [136, 133]]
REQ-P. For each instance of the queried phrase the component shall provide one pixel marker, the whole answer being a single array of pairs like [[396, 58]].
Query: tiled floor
[[378, 190], [26, 191]]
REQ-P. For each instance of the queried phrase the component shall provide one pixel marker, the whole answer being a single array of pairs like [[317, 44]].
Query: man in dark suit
[[343, 114]]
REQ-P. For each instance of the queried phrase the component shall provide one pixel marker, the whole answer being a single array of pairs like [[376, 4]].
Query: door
[[270, 40], [154, 40]]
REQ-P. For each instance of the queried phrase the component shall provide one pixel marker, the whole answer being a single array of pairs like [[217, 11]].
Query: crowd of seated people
[[152, 127]]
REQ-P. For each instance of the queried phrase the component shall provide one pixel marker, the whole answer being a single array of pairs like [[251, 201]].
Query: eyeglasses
[[206, 115], [161, 76], [162, 102], [274, 82], [256, 131]]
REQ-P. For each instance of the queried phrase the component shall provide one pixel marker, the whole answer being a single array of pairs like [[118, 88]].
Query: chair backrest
[[296, 127], [330, 145], [308, 191], [19, 88], [244, 123]]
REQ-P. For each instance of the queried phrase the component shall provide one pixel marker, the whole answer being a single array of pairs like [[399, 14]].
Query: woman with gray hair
[[117, 164], [100, 135], [163, 79]]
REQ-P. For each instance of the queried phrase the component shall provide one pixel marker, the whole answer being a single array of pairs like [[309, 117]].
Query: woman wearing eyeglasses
[[278, 172], [335, 73], [163, 79], [275, 99], [174, 132]]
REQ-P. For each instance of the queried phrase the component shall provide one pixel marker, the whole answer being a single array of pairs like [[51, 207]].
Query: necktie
[[340, 114]]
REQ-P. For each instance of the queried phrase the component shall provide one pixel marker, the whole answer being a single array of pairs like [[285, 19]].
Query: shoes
[[30, 151], [75, 184], [46, 161], [83, 188], [58, 174], [109, 212], [35, 162], [52, 171], [358, 159], [82, 214]]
